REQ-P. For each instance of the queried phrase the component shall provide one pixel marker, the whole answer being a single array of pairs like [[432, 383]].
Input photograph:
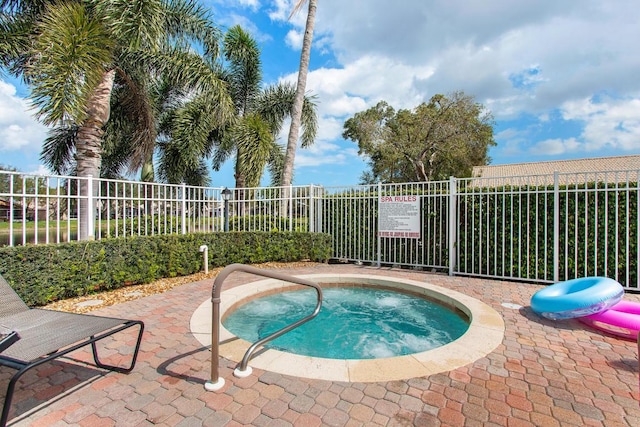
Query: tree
[[259, 116], [5, 179], [442, 138], [23, 189], [296, 110], [73, 54]]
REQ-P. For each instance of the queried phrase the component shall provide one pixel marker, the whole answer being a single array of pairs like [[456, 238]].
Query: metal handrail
[[216, 382]]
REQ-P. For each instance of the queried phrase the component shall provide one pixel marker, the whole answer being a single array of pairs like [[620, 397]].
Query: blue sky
[[560, 77]]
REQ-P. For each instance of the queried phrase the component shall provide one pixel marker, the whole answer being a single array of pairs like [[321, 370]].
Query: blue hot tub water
[[354, 323]]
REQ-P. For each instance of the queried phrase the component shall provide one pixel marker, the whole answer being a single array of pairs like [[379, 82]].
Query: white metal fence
[[543, 228]]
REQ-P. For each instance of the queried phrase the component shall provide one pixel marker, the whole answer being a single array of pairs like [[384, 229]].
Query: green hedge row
[[45, 273], [598, 232]]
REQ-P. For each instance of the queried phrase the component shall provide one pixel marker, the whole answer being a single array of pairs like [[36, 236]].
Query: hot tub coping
[[485, 333]]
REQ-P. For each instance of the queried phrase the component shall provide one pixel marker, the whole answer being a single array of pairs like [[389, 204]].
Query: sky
[[561, 77]]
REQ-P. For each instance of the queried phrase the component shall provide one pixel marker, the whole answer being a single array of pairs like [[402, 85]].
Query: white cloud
[[19, 130], [40, 170], [557, 51], [324, 153], [521, 60], [362, 83], [611, 124], [614, 123], [342, 92], [252, 4], [247, 25], [554, 147], [294, 39], [280, 10]]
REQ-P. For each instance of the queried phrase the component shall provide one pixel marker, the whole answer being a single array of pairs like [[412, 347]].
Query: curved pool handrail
[[216, 382]]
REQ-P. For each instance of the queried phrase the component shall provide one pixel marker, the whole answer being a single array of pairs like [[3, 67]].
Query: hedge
[[41, 274]]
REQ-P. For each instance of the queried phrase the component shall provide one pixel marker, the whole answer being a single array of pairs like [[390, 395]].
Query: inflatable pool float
[[623, 319], [577, 297]]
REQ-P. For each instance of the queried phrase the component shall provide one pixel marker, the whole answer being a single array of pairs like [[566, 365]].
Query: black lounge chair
[[44, 335]]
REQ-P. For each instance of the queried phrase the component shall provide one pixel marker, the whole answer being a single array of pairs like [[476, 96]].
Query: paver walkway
[[544, 373]]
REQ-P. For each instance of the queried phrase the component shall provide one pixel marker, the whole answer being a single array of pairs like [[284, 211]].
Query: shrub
[[45, 273]]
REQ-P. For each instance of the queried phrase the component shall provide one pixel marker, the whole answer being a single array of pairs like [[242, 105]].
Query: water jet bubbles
[[354, 323]]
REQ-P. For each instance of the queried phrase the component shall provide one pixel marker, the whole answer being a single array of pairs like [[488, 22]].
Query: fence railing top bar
[[276, 188], [38, 175], [122, 182]]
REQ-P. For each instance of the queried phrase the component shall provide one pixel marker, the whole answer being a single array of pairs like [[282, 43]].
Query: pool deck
[[543, 373]]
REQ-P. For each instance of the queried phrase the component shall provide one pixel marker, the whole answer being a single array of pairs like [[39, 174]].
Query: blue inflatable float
[[577, 297]]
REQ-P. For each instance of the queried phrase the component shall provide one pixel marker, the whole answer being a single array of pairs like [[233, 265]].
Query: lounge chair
[[44, 335]]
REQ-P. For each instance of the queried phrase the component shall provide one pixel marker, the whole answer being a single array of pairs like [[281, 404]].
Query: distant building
[[5, 211], [605, 169]]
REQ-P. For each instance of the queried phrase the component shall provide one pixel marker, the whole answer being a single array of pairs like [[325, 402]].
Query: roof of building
[[596, 164], [591, 169]]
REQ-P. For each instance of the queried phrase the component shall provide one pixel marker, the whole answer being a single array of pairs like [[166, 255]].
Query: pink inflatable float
[[623, 319]]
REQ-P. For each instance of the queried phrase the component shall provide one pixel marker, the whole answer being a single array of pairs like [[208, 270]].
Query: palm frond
[[190, 130], [135, 24], [171, 168], [138, 108], [276, 164], [198, 176], [116, 153], [187, 19], [309, 121], [191, 72], [15, 32], [274, 105], [297, 7], [31, 7], [70, 56], [223, 151], [253, 138], [58, 149], [174, 169], [131, 126], [243, 55]]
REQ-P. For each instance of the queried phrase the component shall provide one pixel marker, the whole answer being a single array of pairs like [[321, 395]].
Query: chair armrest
[[7, 338]]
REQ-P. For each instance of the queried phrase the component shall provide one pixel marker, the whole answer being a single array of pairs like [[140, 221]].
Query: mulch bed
[[87, 303]]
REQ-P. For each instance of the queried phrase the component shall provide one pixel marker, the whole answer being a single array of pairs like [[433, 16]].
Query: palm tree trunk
[[89, 148], [296, 110], [241, 184]]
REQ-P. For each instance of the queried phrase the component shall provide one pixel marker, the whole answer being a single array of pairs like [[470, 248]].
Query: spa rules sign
[[399, 216]]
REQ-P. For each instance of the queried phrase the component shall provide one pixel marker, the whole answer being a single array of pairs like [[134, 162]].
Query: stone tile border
[[485, 333]]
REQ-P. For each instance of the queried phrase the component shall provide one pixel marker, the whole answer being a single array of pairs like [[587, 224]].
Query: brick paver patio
[[545, 373]]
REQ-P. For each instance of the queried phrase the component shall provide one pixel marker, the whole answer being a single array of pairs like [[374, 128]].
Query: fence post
[[35, 210], [90, 214], [23, 213], [379, 239], [452, 224], [11, 207], [320, 210], [290, 208], [556, 226], [184, 208], [310, 214]]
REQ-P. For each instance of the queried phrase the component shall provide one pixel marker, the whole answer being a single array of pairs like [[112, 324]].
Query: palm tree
[[296, 110], [75, 54], [259, 116], [180, 164]]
